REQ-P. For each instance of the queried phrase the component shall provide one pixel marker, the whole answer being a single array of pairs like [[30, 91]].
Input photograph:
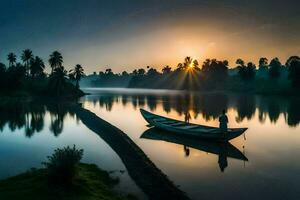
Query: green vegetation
[[30, 79], [88, 181], [91, 183], [268, 78], [62, 165]]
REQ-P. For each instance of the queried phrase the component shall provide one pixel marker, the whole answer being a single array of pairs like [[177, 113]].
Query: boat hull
[[189, 129]]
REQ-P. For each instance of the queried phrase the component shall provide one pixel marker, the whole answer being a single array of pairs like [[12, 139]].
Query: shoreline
[[91, 182], [142, 170], [289, 93]]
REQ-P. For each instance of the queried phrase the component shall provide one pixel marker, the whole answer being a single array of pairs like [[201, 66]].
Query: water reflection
[[208, 105], [30, 116], [223, 150]]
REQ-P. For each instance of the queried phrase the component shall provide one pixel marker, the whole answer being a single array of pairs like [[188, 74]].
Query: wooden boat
[[217, 148], [189, 129]]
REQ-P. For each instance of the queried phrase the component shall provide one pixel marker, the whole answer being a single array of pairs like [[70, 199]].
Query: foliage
[[26, 57], [275, 67], [263, 63], [91, 183], [246, 73], [29, 78], [37, 67], [293, 64], [76, 74], [12, 58], [62, 164], [57, 80], [55, 60]]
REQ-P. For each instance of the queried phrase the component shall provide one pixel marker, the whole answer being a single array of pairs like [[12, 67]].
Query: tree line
[[29, 75], [212, 74]]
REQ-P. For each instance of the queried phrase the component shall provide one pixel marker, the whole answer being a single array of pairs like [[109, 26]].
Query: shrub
[[62, 164]]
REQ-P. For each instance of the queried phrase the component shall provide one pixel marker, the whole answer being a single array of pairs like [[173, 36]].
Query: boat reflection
[[223, 149]]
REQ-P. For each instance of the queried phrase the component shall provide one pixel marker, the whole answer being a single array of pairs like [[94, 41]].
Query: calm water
[[271, 144], [30, 132]]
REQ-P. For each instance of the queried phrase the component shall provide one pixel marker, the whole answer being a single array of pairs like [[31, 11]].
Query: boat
[[190, 129], [217, 148]]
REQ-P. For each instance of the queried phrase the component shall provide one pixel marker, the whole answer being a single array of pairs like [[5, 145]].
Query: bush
[[62, 164]]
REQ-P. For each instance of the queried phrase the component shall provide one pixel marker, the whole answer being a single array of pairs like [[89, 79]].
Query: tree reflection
[[210, 105], [31, 116]]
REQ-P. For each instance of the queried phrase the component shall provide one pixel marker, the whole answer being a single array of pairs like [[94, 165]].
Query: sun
[[191, 65]]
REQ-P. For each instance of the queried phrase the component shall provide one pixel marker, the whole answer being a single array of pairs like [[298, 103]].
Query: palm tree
[[55, 60], [76, 74], [37, 66], [12, 58], [58, 79], [166, 70], [26, 58], [240, 62], [187, 62]]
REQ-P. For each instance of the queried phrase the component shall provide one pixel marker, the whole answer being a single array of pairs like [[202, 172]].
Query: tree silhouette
[[55, 60], [152, 72], [58, 80], [263, 63], [275, 66], [141, 72], [250, 70], [12, 58], [245, 72], [76, 74], [26, 58], [37, 67], [187, 62], [293, 64], [166, 70]]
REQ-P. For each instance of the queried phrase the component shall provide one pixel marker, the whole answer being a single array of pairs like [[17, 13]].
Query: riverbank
[[91, 183], [141, 169]]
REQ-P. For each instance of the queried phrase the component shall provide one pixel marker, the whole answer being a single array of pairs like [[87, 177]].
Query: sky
[[129, 34]]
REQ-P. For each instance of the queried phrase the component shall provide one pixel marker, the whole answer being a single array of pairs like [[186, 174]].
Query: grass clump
[[84, 181], [62, 164]]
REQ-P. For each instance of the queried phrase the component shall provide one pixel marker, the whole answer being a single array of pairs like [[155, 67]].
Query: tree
[[240, 62], [246, 72], [275, 66], [141, 72], [76, 74], [37, 67], [293, 64], [26, 58], [108, 71], [57, 80], [290, 59], [263, 63], [250, 71], [206, 65], [55, 60], [12, 58], [2, 68], [2, 75], [152, 72], [166, 70], [188, 61], [215, 70], [179, 67], [124, 73]]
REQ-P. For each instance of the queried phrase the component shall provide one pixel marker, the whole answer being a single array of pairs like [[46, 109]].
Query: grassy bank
[[90, 183]]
